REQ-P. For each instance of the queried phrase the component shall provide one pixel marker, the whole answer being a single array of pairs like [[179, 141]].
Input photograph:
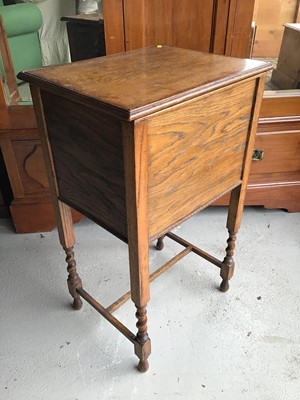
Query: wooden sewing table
[[141, 141]]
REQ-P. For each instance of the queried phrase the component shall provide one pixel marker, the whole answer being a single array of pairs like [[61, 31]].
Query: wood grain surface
[[136, 175], [196, 152], [172, 22], [139, 82], [88, 157], [217, 26], [197, 106]]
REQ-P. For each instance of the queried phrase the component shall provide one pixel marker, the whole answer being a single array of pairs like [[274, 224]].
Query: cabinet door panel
[[31, 166], [218, 26], [181, 23]]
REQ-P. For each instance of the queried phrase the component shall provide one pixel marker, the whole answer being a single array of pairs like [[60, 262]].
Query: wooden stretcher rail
[[118, 303], [188, 249], [107, 315], [195, 249]]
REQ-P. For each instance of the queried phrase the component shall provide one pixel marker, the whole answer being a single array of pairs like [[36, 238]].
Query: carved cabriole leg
[[63, 214], [135, 162], [74, 280]]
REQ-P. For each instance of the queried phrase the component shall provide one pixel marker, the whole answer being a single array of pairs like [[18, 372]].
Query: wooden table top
[[95, 18], [136, 83]]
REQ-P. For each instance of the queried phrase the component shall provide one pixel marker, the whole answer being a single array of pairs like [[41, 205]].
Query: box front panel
[[87, 153], [196, 152]]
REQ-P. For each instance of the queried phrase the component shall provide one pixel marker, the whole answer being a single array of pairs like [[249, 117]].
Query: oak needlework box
[[141, 141]]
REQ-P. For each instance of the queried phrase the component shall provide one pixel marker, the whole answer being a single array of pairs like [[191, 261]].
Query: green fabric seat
[[22, 22]]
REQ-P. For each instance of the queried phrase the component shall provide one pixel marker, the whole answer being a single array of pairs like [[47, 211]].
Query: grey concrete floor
[[244, 344]]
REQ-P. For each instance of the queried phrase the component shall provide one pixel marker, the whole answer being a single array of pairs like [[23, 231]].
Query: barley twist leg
[[74, 280]]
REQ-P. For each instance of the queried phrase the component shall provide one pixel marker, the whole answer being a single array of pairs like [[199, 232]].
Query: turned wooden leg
[[233, 223], [136, 175], [227, 268], [234, 218], [237, 197], [74, 280], [160, 243], [143, 343], [63, 213]]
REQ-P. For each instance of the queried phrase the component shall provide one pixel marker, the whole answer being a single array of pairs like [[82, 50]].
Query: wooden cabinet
[[86, 36], [275, 180], [28, 192], [218, 26], [30, 207]]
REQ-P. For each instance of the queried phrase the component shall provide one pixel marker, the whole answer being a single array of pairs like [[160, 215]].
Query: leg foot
[[160, 243], [77, 304], [143, 366], [143, 351], [142, 345], [224, 285], [227, 267]]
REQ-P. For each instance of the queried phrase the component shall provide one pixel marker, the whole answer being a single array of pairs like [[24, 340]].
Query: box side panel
[[88, 159], [196, 152]]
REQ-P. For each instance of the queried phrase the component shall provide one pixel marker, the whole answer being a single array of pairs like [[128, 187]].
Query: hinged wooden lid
[[134, 84]]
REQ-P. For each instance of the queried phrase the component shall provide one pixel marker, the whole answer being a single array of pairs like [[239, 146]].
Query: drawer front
[[196, 152], [281, 154]]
